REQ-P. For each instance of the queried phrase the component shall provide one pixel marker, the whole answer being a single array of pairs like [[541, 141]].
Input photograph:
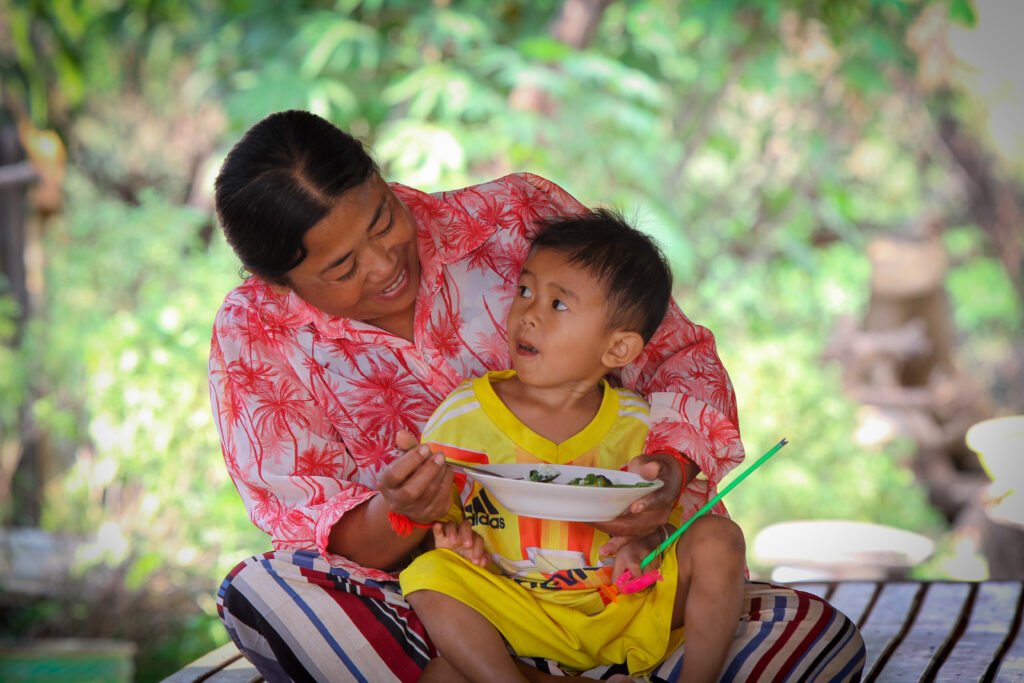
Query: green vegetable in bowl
[[548, 473], [592, 480], [544, 474], [602, 481]]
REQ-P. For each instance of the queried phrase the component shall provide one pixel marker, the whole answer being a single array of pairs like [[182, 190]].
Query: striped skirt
[[299, 619]]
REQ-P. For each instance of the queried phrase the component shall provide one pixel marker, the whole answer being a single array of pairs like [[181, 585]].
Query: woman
[[368, 304]]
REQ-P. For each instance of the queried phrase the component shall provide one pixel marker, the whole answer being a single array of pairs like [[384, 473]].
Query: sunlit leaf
[[336, 40], [419, 154], [962, 12], [544, 49]]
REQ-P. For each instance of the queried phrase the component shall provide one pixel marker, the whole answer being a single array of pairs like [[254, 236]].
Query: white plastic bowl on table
[[999, 443], [557, 499]]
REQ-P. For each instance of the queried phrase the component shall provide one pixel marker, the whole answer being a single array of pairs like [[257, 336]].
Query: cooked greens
[[591, 480], [545, 474], [548, 473]]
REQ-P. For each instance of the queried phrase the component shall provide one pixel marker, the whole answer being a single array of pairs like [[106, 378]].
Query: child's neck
[[557, 413]]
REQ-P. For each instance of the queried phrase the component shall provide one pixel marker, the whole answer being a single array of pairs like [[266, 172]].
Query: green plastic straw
[[707, 506]]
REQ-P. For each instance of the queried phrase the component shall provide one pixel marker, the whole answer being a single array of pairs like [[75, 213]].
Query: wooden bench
[[934, 631], [913, 631]]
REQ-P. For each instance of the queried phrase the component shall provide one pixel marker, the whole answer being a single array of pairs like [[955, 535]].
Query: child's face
[[558, 325]]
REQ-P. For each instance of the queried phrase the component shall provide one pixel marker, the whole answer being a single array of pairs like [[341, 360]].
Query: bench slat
[[991, 618], [853, 598], [1012, 666], [934, 626], [209, 663], [885, 622], [819, 589], [908, 629], [239, 671]]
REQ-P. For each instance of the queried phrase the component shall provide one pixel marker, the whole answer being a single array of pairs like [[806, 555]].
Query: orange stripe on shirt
[[530, 529], [460, 454], [581, 539]]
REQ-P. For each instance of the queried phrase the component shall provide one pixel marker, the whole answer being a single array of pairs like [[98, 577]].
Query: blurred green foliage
[[763, 143]]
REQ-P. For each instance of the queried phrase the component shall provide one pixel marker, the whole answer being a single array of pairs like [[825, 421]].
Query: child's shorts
[[635, 628]]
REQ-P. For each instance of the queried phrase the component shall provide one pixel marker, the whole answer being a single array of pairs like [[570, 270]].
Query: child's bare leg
[[466, 640], [709, 600], [438, 670]]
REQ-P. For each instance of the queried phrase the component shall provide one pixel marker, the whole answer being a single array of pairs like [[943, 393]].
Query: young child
[[591, 294]]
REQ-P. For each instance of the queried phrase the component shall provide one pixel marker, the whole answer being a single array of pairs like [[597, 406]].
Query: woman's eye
[[346, 276], [387, 228], [525, 292], [558, 305]]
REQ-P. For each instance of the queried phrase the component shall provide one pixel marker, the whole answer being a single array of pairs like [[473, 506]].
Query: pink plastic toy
[[627, 584]]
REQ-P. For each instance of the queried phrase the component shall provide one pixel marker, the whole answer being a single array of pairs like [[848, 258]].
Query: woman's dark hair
[[280, 180], [628, 263]]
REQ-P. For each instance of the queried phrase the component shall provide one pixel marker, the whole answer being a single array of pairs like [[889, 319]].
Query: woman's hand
[[651, 511], [417, 484], [460, 538]]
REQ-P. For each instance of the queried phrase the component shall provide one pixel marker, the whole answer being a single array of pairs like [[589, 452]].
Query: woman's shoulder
[[254, 302], [245, 298], [509, 184]]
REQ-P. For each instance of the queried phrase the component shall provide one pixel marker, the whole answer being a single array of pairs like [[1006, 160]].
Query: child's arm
[[460, 538]]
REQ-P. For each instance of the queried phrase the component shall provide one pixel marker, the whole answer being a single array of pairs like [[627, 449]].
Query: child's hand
[[629, 557], [460, 538], [632, 553]]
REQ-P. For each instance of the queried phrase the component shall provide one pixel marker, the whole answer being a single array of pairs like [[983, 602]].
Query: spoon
[[475, 469]]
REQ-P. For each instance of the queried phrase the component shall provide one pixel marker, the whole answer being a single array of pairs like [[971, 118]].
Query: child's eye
[[525, 292], [558, 305]]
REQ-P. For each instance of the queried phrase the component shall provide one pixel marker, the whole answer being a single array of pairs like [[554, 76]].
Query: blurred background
[[839, 186]]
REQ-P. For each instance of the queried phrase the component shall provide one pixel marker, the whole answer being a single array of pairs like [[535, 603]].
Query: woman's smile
[[397, 286]]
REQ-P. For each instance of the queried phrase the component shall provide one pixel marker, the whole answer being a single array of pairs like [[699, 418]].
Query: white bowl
[[999, 444], [556, 499]]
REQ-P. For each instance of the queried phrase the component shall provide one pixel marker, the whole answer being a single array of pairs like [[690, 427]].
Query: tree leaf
[[962, 11]]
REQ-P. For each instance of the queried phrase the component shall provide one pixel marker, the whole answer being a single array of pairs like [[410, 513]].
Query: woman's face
[[362, 261]]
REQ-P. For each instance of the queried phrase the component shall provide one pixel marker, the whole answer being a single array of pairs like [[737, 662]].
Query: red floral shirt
[[307, 405]]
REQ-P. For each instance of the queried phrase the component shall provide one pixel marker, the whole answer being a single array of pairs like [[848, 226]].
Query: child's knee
[[417, 598], [427, 599], [716, 537]]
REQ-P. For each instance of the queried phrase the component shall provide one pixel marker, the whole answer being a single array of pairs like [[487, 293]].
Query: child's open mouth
[[525, 349]]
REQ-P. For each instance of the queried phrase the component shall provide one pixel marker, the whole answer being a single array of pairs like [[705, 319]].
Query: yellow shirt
[[473, 426], [554, 606]]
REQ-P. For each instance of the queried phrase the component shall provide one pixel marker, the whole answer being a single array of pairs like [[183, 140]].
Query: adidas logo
[[480, 511]]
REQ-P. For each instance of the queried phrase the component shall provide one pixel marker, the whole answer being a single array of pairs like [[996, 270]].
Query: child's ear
[[623, 347]]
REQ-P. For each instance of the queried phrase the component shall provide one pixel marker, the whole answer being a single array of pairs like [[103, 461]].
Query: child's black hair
[[628, 263]]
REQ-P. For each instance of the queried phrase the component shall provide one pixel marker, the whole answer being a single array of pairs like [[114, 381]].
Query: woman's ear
[[623, 348]]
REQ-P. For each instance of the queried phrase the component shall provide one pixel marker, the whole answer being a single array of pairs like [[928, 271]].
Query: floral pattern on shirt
[[307, 405]]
